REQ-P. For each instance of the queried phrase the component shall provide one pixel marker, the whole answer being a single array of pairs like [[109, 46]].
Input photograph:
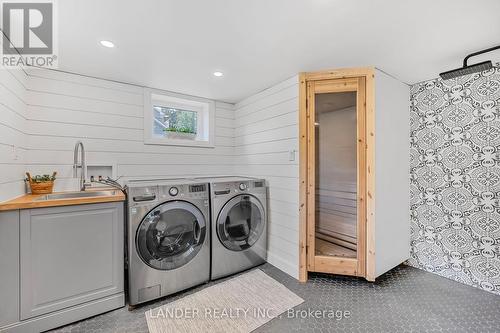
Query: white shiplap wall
[[266, 131], [108, 117], [13, 122], [56, 109]]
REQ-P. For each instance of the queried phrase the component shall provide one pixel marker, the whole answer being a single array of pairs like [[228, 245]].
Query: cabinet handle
[[145, 198], [222, 192]]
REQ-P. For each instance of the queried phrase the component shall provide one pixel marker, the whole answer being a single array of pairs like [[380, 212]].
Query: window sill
[[180, 142]]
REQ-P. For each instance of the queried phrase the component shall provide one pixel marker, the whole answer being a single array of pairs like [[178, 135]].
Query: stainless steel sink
[[75, 195]]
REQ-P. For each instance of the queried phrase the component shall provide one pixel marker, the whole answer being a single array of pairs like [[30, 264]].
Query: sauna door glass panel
[[336, 174]]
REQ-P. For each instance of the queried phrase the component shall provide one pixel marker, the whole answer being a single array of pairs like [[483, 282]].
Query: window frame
[[205, 109]]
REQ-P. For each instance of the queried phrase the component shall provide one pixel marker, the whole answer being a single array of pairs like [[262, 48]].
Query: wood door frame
[[306, 169]]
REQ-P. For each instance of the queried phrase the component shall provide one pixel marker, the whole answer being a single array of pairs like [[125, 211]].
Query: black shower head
[[482, 66], [466, 69]]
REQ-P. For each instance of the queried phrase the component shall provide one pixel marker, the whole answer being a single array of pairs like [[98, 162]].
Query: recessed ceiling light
[[218, 74], [107, 43]]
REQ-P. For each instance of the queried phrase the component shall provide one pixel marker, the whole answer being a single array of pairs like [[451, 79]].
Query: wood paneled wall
[[108, 117], [48, 111], [266, 134], [13, 136]]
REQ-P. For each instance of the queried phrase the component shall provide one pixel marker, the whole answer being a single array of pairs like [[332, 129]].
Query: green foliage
[[181, 121], [42, 178], [179, 130]]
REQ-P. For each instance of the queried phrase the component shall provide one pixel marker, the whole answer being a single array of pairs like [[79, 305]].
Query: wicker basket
[[41, 187]]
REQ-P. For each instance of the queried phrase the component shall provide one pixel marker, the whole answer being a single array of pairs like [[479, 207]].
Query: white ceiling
[[177, 44]]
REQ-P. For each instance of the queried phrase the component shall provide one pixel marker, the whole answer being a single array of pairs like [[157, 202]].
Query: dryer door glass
[[171, 235], [241, 222]]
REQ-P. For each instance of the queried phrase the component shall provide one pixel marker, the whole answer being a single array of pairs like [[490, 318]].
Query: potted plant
[[180, 133], [41, 184]]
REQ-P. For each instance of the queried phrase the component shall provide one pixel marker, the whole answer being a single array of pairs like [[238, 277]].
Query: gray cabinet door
[[70, 255], [9, 267]]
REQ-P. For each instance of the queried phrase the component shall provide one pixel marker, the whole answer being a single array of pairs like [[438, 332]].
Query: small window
[[175, 123], [173, 119]]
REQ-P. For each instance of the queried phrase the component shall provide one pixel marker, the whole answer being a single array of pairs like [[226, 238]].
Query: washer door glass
[[171, 235], [241, 222]]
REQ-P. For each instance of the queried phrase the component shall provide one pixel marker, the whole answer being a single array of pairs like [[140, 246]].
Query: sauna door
[[336, 181]]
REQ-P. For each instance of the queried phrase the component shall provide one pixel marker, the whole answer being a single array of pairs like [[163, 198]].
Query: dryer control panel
[[231, 188]]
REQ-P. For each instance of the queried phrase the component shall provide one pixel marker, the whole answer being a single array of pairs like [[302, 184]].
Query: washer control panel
[[184, 191], [148, 195], [243, 186]]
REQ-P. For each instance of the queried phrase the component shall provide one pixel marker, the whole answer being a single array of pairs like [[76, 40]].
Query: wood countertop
[[29, 201]]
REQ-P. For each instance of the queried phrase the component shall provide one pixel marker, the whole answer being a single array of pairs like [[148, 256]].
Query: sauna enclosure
[[353, 220]]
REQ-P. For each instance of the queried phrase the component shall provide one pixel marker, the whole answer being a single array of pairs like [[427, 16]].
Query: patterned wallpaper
[[455, 178]]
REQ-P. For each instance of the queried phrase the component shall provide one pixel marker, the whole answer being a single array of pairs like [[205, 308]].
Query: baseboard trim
[[66, 316]]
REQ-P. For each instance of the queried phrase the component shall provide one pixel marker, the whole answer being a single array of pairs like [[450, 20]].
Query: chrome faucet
[[80, 165]]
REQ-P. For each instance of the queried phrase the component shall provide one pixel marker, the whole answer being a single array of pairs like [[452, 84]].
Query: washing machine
[[168, 246], [239, 224]]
